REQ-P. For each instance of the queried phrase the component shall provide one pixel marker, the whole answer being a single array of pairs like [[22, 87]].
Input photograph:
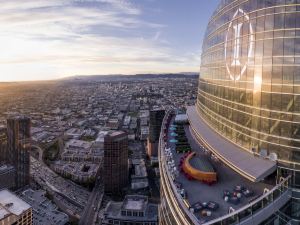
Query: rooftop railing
[[240, 216], [248, 211], [186, 217]]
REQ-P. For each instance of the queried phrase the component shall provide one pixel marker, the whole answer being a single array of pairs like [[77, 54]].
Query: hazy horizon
[[95, 75], [45, 40]]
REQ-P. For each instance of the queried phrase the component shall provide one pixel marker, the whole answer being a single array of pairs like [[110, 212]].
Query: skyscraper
[[246, 116], [3, 144], [18, 147], [156, 118], [115, 162]]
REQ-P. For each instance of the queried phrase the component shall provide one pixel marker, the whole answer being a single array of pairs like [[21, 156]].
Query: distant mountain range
[[130, 77]]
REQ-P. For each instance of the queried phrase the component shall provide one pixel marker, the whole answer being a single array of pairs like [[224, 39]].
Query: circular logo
[[239, 29]]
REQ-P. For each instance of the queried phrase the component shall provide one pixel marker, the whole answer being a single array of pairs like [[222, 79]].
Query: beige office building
[[13, 210]]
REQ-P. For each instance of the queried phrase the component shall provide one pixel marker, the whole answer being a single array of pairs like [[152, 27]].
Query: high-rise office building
[[18, 147], [155, 121], [3, 144], [246, 116], [14, 210], [115, 162]]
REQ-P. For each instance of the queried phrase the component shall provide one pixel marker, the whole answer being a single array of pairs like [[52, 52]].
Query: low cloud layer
[[41, 39]]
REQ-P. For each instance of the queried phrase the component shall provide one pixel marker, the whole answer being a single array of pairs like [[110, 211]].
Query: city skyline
[[131, 123], [44, 40]]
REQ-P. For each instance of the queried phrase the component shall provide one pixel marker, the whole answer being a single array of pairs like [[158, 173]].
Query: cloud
[[157, 35], [41, 39]]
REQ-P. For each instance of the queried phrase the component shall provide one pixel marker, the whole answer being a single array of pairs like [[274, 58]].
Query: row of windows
[[282, 49], [249, 87], [254, 10], [131, 213], [284, 79], [259, 25], [269, 52], [276, 103], [252, 140], [279, 129]]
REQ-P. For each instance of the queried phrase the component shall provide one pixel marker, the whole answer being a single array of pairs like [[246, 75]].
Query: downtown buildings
[[115, 172], [14, 210], [44, 210], [135, 209], [155, 121], [15, 162], [246, 119], [18, 147], [15, 175]]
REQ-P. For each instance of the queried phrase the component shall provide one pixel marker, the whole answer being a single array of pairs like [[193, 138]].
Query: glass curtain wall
[[249, 85]]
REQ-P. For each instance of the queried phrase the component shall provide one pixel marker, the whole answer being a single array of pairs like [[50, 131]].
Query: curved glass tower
[[247, 114], [250, 76]]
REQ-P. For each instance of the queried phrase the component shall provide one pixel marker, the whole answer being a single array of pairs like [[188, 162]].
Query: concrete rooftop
[[250, 166], [227, 180], [11, 203]]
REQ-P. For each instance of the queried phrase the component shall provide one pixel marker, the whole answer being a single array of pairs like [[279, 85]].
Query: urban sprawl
[[84, 150]]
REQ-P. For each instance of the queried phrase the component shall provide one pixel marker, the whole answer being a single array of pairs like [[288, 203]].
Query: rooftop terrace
[[244, 162], [228, 180]]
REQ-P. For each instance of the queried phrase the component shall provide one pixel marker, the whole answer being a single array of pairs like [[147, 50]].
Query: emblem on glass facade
[[237, 60]]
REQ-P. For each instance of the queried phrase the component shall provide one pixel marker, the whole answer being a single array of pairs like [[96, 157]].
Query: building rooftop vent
[[8, 205]]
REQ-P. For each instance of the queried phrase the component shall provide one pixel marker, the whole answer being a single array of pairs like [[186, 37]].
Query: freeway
[[72, 197], [89, 215], [40, 150]]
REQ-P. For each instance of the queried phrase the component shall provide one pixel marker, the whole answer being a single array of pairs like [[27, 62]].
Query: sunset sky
[[49, 39]]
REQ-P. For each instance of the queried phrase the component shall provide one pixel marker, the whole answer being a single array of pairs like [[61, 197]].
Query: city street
[[89, 215]]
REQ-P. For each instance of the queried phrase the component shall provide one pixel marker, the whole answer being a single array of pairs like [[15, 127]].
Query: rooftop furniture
[[247, 193], [213, 206], [197, 207], [206, 213], [239, 188], [234, 200]]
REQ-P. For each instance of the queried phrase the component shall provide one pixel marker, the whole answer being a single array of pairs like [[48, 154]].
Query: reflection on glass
[[250, 76]]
